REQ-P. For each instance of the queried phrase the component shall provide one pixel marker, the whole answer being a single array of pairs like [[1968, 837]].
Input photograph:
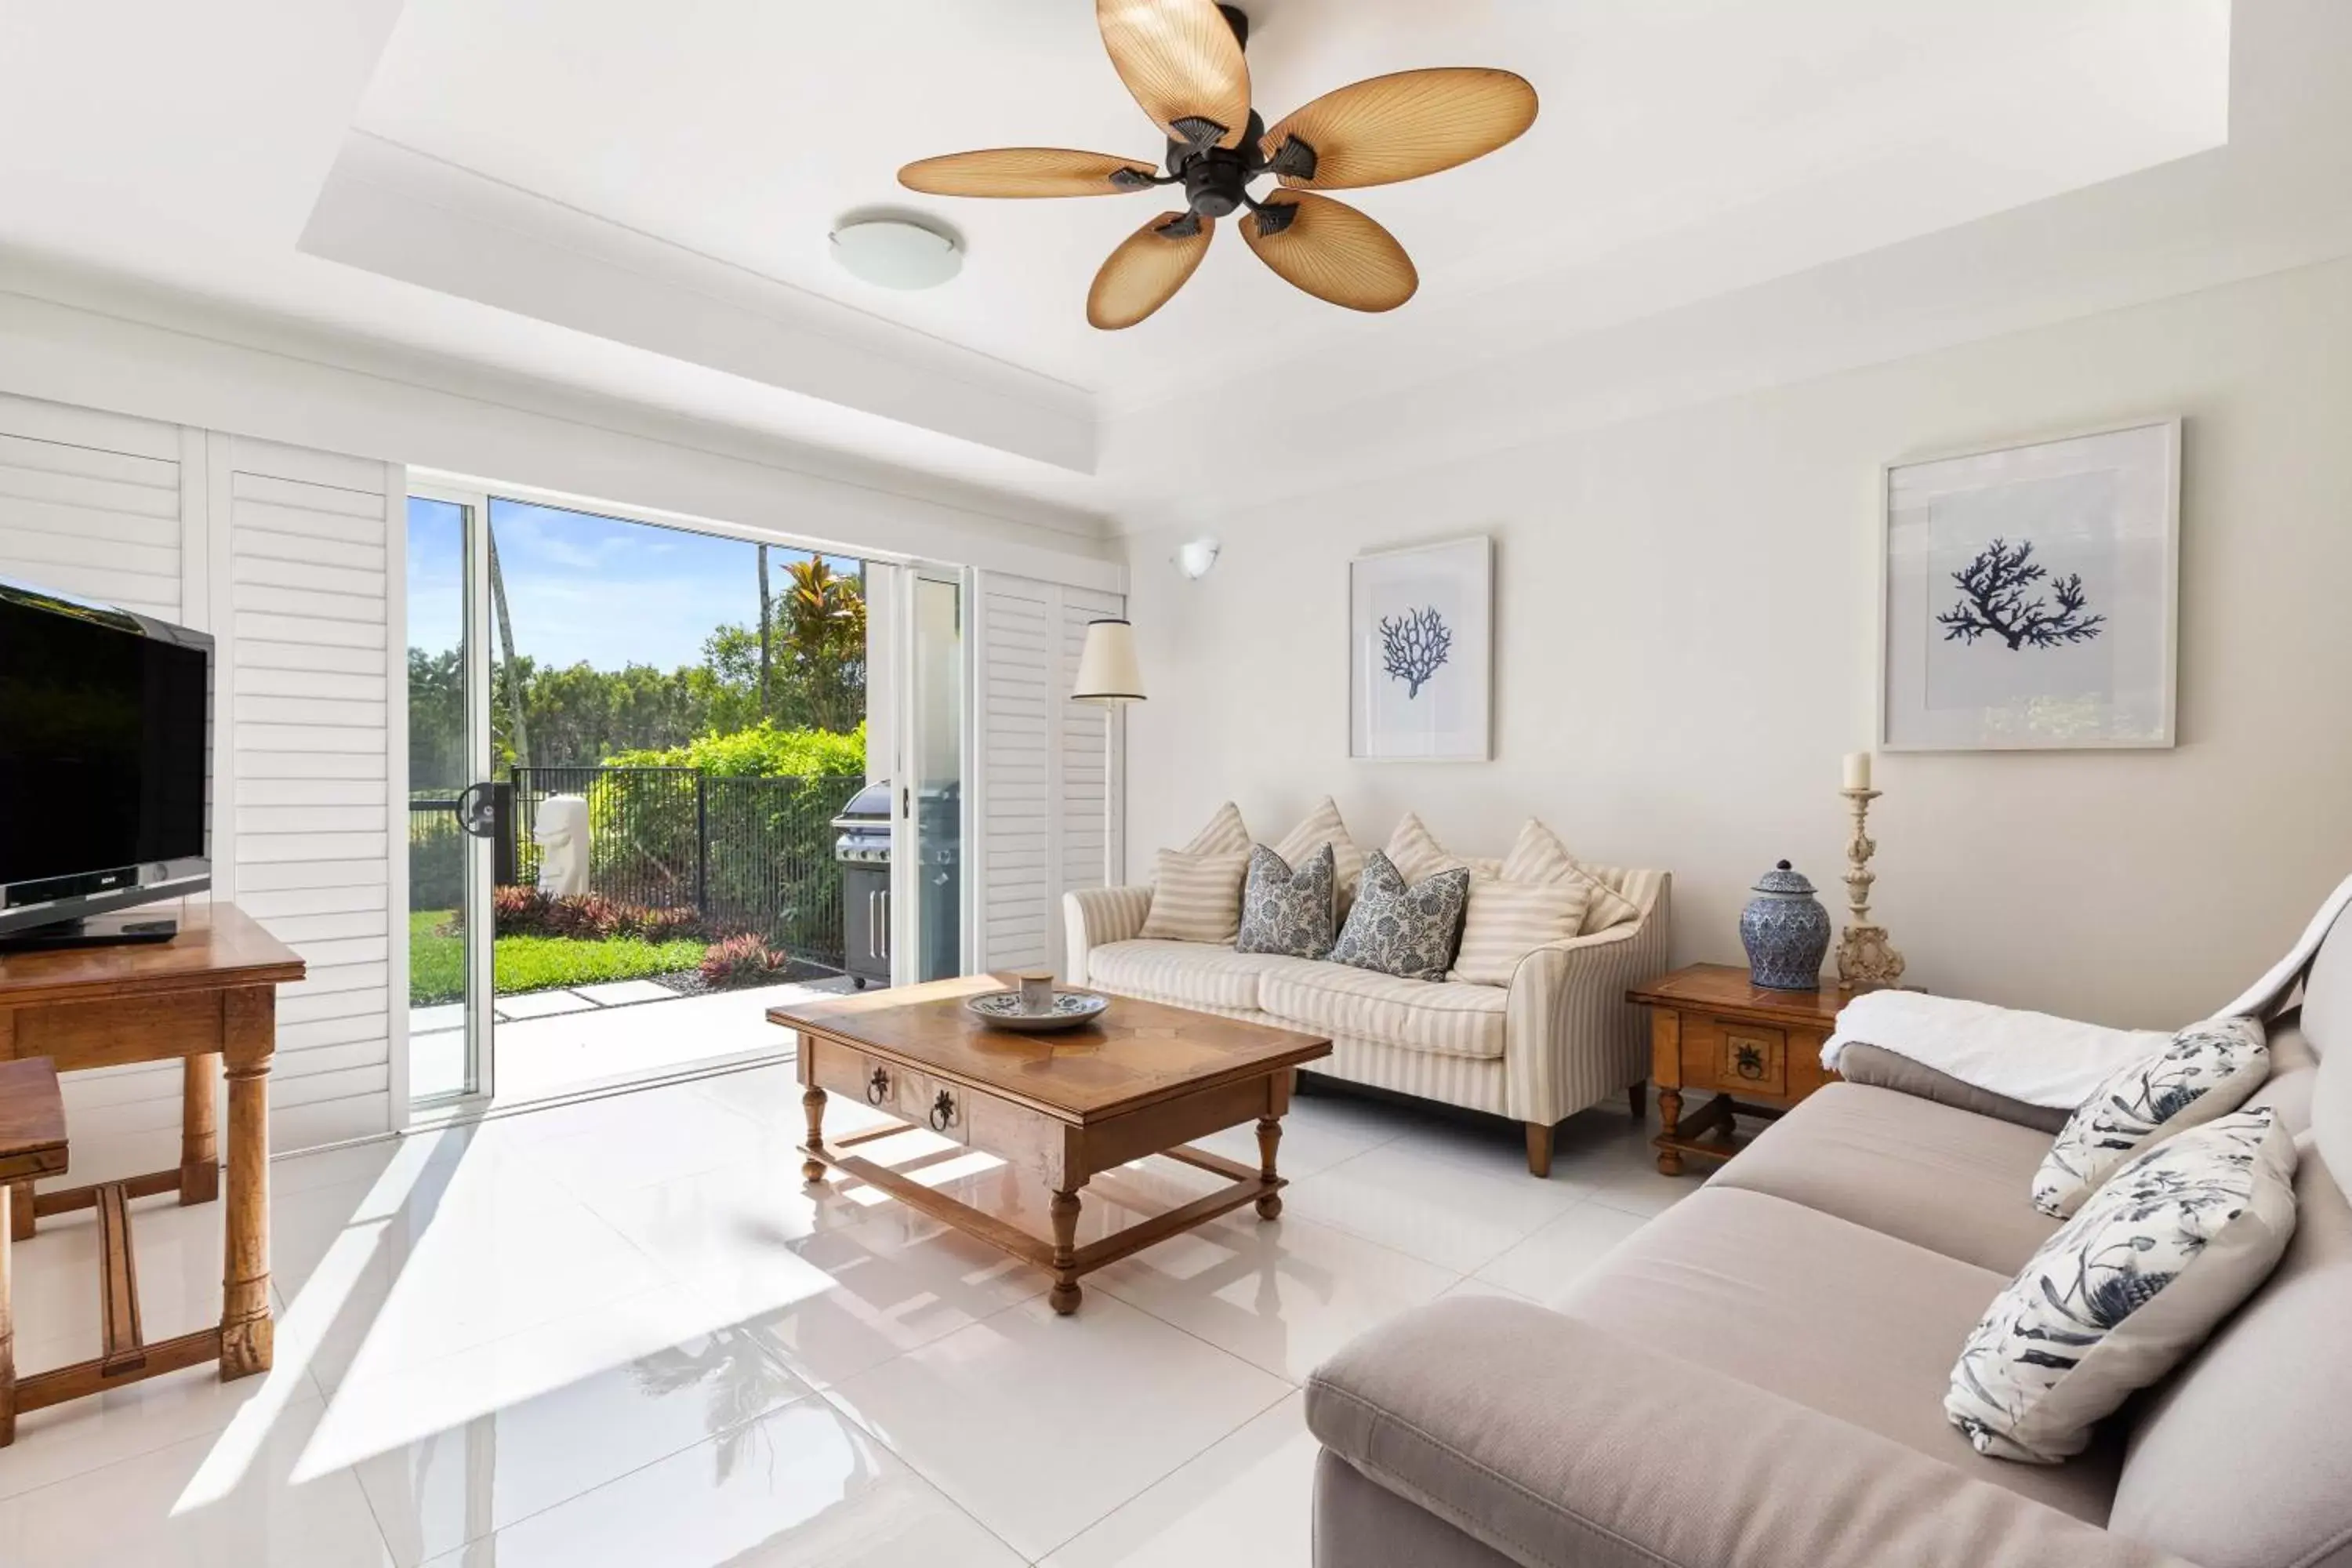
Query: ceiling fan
[[1182, 61]]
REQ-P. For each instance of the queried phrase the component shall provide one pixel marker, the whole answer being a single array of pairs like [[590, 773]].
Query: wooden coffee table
[[1061, 1107]]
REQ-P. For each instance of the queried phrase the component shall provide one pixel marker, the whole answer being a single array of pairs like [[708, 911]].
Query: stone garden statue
[[562, 834]]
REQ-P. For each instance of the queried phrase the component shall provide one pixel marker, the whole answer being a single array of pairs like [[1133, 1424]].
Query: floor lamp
[[1110, 677]]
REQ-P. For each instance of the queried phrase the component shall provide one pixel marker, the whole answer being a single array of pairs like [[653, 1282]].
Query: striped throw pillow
[[1415, 851], [1196, 898], [1323, 826], [1225, 835], [1538, 856], [1507, 920]]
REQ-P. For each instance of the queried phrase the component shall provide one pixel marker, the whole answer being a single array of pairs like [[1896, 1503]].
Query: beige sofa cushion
[[1855, 1323], [1538, 854], [1443, 1017], [1189, 974], [1226, 834], [1323, 826], [1937, 1177], [1196, 898], [1506, 920], [1413, 850]]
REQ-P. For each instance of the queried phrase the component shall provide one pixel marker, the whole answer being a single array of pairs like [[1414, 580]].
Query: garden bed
[[437, 962]]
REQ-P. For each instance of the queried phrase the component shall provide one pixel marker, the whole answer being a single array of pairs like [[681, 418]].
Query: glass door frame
[[478, 1087], [905, 769]]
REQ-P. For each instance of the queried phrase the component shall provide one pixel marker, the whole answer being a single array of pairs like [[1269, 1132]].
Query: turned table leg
[[248, 1336], [1670, 1116], [1269, 1137], [813, 1107], [7, 1320], [199, 1131], [1064, 1211]]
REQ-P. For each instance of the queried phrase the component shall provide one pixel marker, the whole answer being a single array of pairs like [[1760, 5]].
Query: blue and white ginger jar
[[1786, 931]]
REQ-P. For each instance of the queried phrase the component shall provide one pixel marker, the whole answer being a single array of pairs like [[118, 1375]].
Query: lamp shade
[[1107, 672]]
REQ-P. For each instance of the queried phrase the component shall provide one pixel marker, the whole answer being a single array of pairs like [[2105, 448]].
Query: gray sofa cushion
[[1879, 1068], [1909, 1168], [1855, 1323], [2327, 990], [1558, 1445], [2244, 1458], [1361, 1523]]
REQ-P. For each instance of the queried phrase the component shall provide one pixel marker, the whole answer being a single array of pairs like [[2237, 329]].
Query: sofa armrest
[[1881, 1068], [1092, 916], [1570, 1038], [1562, 1445]]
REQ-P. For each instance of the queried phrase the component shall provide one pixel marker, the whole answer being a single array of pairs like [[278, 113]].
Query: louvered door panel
[[1044, 781], [308, 599]]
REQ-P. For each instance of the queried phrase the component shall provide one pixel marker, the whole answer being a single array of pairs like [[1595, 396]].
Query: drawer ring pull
[[943, 1112], [1752, 1062], [877, 1087]]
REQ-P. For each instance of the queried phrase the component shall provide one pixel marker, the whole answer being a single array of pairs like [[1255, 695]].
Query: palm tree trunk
[[518, 734], [767, 631]]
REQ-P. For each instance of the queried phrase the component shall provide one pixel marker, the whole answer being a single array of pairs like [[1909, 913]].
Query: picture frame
[[1421, 649], [2029, 594]]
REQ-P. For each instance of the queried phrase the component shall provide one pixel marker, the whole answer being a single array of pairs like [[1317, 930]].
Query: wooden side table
[[208, 998], [1758, 1051]]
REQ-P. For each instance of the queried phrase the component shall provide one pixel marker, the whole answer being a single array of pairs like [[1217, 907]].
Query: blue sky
[[593, 589]]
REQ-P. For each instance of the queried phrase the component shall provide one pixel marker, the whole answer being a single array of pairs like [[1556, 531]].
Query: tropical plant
[[744, 959]]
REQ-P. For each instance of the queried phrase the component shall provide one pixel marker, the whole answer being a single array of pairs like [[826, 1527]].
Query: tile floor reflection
[[623, 1331]]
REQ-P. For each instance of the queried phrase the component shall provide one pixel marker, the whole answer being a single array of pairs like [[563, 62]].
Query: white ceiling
[[632, 200], [743, 129]]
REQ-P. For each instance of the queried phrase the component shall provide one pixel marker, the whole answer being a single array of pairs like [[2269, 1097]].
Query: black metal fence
[[750, 854]]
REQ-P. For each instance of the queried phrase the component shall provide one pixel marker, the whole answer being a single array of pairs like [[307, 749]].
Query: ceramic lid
[[1781, 879]]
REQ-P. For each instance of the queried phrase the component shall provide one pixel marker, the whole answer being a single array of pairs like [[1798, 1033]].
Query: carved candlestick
[[1865, 957]]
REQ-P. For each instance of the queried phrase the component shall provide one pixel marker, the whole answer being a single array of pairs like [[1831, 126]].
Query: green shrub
[[743, 961], [761, 752]]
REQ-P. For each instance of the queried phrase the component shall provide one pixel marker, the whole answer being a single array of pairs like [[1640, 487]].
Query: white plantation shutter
[[91, 505], [1043, 780], [306, 641]]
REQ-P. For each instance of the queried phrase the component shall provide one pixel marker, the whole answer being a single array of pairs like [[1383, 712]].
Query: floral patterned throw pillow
[[2208, 1071], [1409, 932], [2162, 1252], [1289, 911]]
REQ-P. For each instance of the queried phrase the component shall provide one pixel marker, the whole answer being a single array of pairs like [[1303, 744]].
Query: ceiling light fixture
[[897, 254]]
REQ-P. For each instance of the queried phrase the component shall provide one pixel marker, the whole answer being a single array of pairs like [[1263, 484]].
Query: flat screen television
[[105, 768]]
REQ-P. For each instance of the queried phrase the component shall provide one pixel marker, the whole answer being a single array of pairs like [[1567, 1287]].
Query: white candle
[[1857, 769]]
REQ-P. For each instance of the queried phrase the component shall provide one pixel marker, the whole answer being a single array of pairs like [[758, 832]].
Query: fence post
[[702, 843]]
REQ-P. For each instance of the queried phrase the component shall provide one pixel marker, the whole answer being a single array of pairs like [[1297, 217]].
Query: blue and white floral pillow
[[2208, 1071], [2169, 1246]]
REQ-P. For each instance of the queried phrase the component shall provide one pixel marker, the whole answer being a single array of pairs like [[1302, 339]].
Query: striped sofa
[[1559, 1038]]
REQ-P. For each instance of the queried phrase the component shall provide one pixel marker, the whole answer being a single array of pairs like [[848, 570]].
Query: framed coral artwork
[[2030, 595], [1420, 636]]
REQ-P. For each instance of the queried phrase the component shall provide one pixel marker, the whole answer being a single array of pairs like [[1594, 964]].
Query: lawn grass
[[436, 964]]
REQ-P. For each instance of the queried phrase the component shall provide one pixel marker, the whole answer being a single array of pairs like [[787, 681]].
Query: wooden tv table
[[1063, 1107], [208, 996]]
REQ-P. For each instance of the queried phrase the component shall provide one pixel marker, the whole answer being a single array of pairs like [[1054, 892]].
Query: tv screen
[[102, 739]]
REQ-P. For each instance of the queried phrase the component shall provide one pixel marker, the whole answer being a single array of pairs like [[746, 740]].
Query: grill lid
[[869, 810]]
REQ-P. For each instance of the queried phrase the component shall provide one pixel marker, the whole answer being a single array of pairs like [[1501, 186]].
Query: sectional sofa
[[1757, 1377]]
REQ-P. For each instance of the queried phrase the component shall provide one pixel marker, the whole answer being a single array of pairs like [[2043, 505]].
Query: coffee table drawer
[[937, 1105], [942, 1107]]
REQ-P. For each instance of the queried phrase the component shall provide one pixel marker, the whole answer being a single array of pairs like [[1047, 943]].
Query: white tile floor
[[552, 1043], [623, 1332]]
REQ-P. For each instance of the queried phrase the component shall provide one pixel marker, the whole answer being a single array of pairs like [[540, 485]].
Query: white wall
[[1684, 646]]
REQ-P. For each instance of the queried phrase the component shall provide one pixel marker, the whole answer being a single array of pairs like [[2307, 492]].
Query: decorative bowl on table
[[1006, 1010]]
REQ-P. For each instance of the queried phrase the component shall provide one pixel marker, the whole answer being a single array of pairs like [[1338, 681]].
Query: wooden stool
[[32, 1144]]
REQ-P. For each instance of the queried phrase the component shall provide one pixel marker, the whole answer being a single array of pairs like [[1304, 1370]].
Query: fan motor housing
[[1216, 179]]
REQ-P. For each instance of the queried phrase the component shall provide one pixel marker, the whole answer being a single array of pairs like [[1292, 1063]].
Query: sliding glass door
[[453, 803], [653, 772]]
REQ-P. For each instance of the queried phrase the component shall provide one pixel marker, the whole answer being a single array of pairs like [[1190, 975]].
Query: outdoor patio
[[565, 1041]]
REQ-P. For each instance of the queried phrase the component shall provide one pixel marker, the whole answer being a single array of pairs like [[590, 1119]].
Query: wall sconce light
[[1194, 557]]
